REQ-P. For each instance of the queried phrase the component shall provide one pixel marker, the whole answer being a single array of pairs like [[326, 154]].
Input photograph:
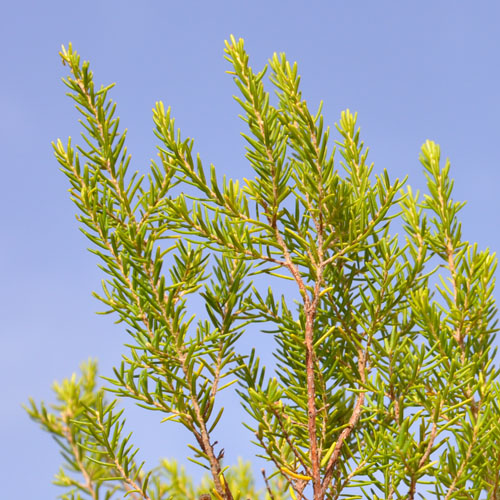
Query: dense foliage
[[384, 384]]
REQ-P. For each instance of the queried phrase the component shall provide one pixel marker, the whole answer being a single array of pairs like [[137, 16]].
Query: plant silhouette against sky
[[384, 384]]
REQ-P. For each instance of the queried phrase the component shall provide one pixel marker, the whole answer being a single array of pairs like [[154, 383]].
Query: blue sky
[[413, 71]]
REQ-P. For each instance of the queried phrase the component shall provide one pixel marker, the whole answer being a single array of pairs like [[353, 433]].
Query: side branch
[[350, 426]]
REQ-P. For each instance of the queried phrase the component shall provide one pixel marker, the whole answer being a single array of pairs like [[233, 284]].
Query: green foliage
[[99, 462], [384, 381]]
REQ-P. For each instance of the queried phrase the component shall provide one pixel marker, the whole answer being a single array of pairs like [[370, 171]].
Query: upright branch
[[128, 246]]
